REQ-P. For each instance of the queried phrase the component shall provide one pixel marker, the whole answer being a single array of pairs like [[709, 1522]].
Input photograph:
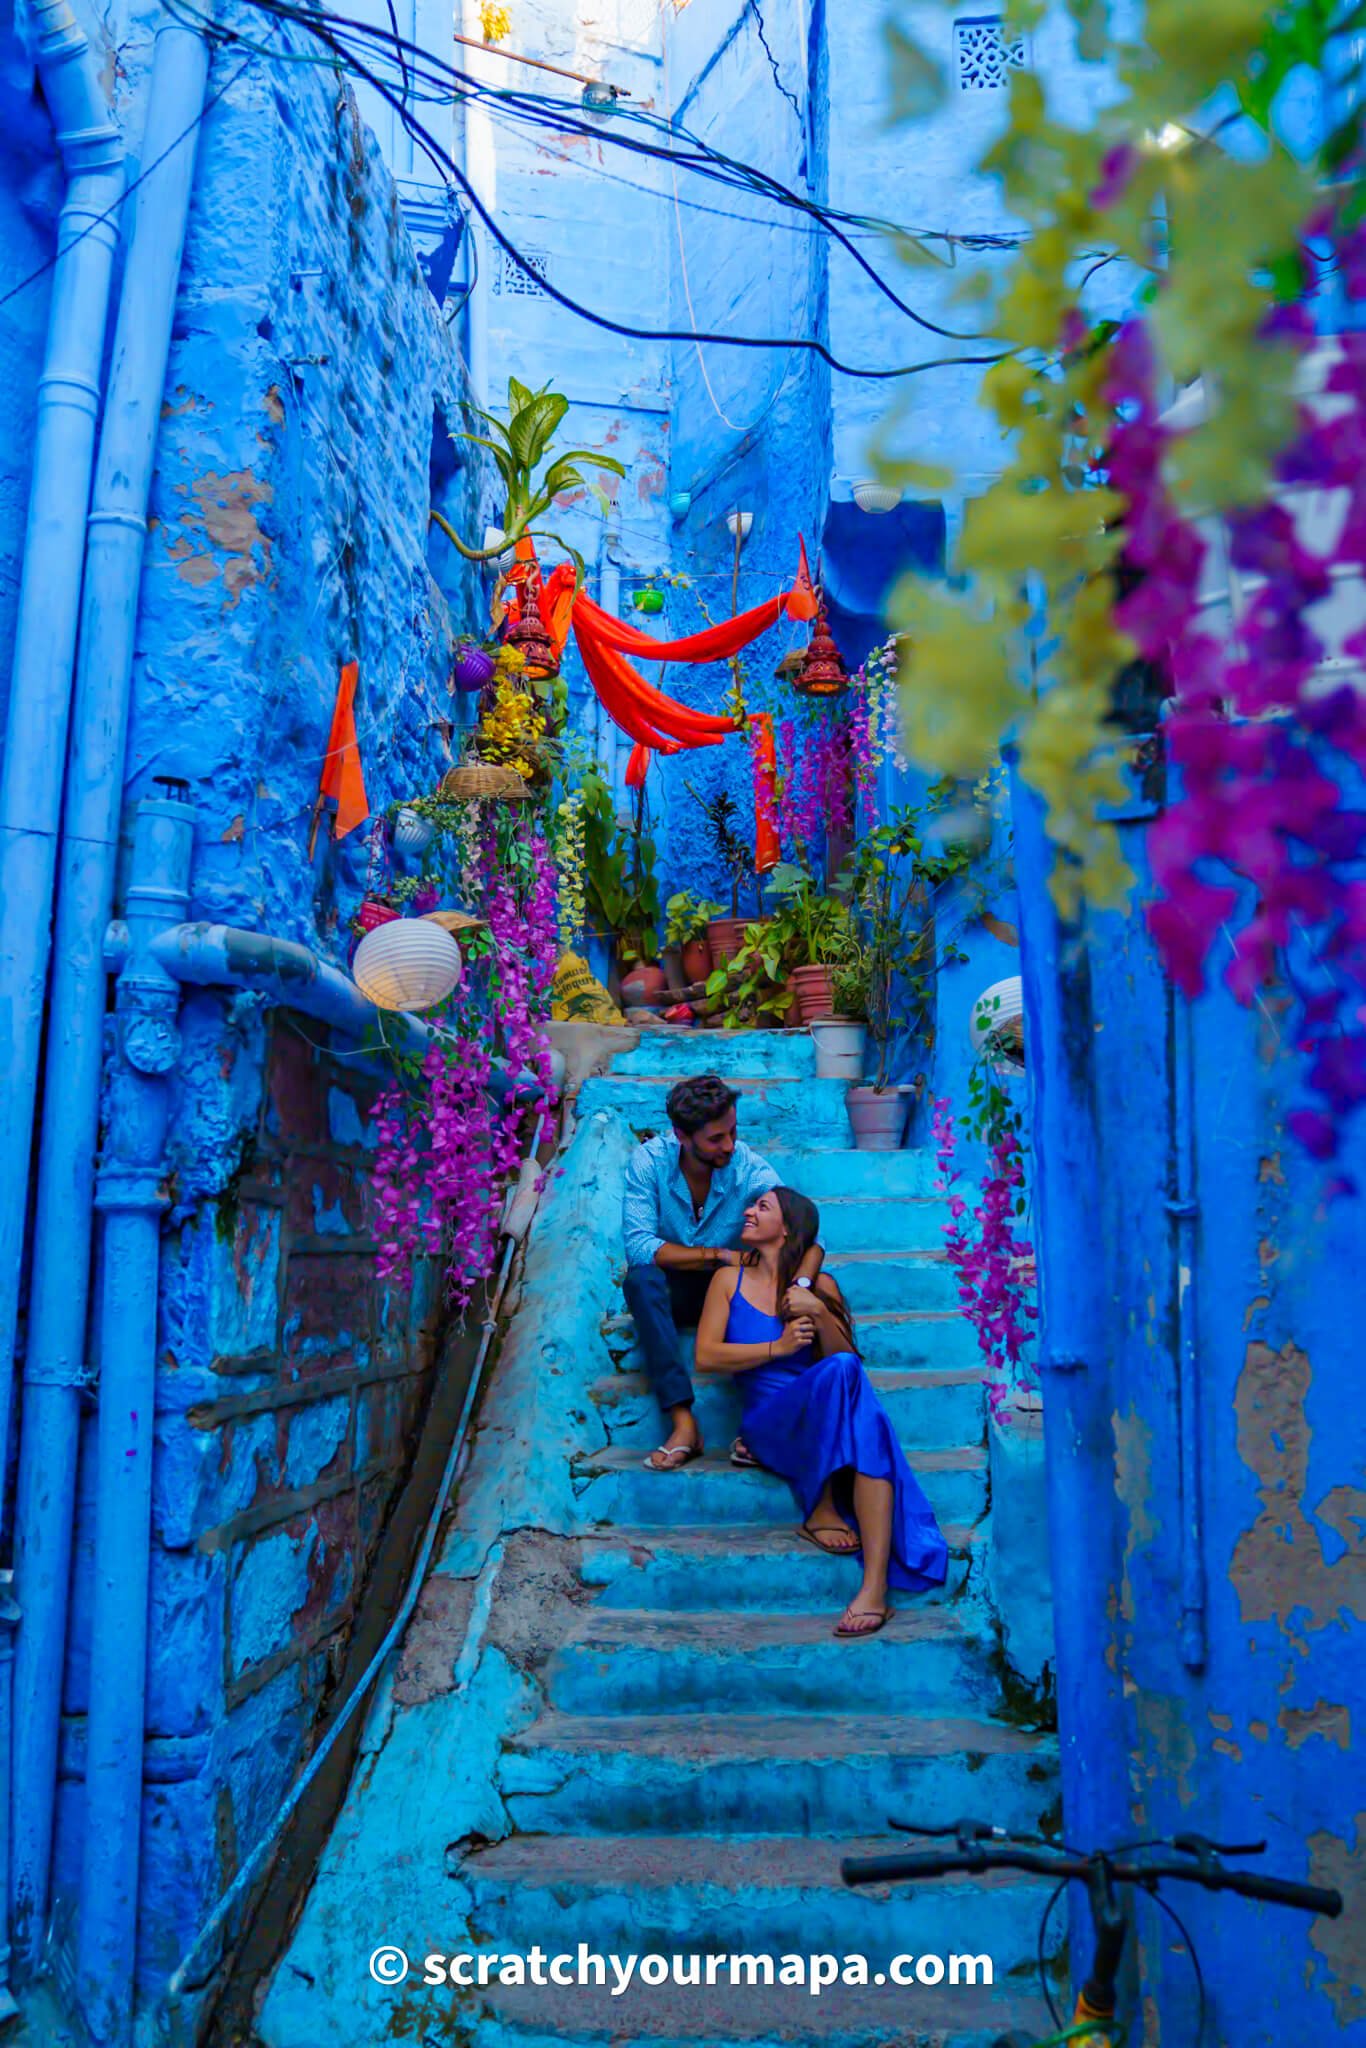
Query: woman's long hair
[[803, 1223]]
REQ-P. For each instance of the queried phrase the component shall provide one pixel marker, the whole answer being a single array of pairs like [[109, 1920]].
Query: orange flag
[[341, 776], [638, 766], [767, 849], [801, 599]]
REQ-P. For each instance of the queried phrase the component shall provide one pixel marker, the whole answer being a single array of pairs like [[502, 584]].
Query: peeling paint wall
[[1210, 1618]]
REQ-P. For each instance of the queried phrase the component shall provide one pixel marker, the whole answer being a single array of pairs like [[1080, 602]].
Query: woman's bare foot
[[867, 1612], [827, 1528]]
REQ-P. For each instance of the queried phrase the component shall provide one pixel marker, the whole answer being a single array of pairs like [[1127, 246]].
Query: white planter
[[413, 833], [839, 1051], [997, 1008], [1226, 592]]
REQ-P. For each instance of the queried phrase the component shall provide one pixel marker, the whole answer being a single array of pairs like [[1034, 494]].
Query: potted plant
[[725, 935], [892, 881], [686, 919], [750, 988], [821, 939], [621, 894]]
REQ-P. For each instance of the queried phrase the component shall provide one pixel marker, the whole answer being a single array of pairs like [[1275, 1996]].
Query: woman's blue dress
[[813, 1420]]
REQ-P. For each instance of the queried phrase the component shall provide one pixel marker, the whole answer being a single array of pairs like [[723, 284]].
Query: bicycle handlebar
[[1278, 1891]]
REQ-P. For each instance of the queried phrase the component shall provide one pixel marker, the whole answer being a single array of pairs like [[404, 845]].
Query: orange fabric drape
[[342, 776]]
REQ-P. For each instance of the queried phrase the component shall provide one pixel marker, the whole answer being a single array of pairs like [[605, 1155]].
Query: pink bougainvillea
[[1260, 840], [994, 1268], [448, 1150]]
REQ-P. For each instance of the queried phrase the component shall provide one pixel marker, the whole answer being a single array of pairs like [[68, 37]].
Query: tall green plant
[[621, 891], [519, 448]]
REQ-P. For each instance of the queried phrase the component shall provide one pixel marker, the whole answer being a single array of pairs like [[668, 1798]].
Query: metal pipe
[[1184, 1210], [55, 1361], [175, 1989], [49, 601], [130, 1192]]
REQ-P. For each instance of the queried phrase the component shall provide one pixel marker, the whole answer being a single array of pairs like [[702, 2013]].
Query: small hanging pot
[[374, 911], [413, 833], [474, 666]]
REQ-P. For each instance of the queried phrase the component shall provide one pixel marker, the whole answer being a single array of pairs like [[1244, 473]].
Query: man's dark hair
[[700, 1101]]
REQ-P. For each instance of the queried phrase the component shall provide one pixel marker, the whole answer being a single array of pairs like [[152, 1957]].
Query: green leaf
[[591, 455], [533, 428], [519, 396]]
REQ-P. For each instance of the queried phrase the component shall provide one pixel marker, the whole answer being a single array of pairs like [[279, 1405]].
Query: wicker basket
[[458, 923], [482, 779]]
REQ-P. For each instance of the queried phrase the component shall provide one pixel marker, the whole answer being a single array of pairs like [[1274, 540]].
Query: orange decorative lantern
[[822, 673]]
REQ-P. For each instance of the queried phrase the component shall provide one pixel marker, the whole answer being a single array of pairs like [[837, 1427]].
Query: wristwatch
[[802, 1281]]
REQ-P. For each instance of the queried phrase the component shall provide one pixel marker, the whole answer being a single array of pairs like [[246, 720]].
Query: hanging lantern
[[407, 964], [822, 673], [527, 633], [996, 1026]]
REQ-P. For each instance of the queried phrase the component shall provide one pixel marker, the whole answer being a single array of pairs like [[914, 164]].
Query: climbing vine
[[993, 1266]]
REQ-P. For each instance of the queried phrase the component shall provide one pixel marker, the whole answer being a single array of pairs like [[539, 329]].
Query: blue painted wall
[[289, 534]]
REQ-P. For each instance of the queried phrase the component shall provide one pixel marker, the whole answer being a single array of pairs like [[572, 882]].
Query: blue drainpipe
[[49, 600], [1074, 1350], [130, 1192], [54, 1366]]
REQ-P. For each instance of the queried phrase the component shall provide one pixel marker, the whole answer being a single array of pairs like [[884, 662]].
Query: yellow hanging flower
[[494, 21], [511, 731], [569, 861]]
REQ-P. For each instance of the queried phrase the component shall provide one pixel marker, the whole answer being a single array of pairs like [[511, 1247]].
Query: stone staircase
[[660, 1746]]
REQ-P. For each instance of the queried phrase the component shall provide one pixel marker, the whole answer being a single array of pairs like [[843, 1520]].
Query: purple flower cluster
[[1260, 838], [445, 1154], [994, 1268]]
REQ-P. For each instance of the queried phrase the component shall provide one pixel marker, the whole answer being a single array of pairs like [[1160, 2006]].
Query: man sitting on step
[[682, 1213]]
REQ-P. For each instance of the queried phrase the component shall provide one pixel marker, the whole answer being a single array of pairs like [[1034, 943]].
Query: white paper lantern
[[412, 832], [997, 1025], [406, 964]]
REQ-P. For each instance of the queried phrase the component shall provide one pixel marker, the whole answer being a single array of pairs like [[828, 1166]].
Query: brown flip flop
[[878, 1616], [813, 1535]]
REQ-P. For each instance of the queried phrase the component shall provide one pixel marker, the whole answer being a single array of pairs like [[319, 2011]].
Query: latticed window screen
[[511, 281], [986, 54]]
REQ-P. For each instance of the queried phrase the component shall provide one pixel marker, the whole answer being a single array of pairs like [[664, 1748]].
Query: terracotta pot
[[696, 960], [644, 985], [725, 936], [878, 1120], [813, 992]]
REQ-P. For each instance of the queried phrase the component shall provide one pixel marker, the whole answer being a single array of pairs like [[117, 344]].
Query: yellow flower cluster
[[494, 21], [510, 732], [571, 871]]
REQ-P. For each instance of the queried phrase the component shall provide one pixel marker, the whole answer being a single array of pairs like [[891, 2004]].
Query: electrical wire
[[315, 25], [567, 117]]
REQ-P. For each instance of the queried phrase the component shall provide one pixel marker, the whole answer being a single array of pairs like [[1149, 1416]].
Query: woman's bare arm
[[713, 1354], [823, 1305]]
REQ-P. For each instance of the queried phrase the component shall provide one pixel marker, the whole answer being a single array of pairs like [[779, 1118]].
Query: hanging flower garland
[[570, 870], [994, 1268]]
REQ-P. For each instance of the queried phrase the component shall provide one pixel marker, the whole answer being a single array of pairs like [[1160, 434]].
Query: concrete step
[[926, 1408], [895, 1339], [736, 1055], [774, 1896], [826, 1173], [872, 1223], [880, 1282], [805, 1775], [777, 2016], [675, 1662], [615, 1486], [745, 1570], [786, 1111]]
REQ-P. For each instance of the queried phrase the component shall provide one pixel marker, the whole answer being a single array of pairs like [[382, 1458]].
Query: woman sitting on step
[[811, 1413]]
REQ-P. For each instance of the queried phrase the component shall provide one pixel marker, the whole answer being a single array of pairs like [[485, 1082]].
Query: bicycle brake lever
[[1201, 1845]]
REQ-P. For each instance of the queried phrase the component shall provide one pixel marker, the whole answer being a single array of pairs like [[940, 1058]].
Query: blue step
[[615, 1486], [733, 1054], [681, 1894], [896, 1340], [772, 1111], [820, 1775], [926, 1408], [781, 2016], [745, 1569], [878, 1281], [826, 1173], [870, 1223], [685, 1663]]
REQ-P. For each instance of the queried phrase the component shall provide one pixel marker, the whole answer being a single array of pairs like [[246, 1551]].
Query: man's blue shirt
[[657, 1208]]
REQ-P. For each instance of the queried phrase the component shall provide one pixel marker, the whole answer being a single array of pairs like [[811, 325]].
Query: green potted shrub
[[750, 988], [725, 935], [621, 894], [821, 938], [686, 918]]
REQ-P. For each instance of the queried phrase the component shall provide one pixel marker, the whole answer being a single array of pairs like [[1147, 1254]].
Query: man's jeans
[[662, 1304]]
